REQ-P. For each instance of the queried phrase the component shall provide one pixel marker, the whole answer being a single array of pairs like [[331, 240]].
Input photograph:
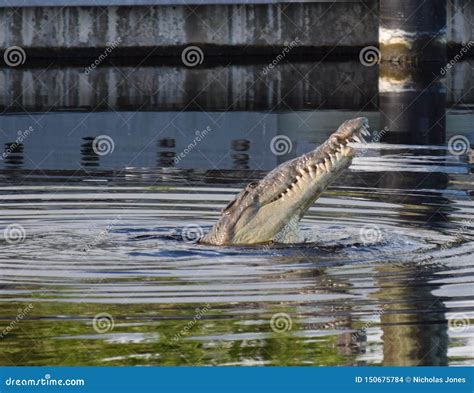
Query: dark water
[[99, 265]]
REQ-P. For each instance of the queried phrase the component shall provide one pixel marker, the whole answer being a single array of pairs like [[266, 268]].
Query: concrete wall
[[253, 28], [249, 26]]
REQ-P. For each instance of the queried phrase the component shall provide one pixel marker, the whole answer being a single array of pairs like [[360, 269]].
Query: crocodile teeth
[[365, 132], [338, 155], [357, 139], [328, 164], [346, 150], [332, 158]]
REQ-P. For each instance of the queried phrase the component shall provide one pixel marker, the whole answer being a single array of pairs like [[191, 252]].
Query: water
[[101, 267]]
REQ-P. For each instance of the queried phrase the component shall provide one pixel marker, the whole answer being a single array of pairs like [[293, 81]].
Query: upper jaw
[[252, 218], [332, 156], [349, 132]]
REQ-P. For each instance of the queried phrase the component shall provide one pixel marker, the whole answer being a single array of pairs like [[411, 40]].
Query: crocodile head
[[264, 208]]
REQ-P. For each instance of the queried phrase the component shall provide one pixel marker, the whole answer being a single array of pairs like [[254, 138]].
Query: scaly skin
[[264, 209]]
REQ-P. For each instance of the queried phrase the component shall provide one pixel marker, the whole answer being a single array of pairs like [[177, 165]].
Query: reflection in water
[[343, 297], [13, 154], [415, 329], [89, 158], [412, 104], [348, 301], [296, 85], [240, 159], [166, 153], [431, 208], [413, 111]]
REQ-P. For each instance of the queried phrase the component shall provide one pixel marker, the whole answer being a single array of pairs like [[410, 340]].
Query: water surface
[[106, 270]]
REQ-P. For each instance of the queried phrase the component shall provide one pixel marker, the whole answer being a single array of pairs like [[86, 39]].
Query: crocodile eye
[[252, 185]]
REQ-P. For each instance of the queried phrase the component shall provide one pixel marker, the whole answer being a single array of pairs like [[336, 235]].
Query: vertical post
[[412, 31]]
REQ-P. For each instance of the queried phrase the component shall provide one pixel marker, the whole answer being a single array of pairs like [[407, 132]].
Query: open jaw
[[271, 208]]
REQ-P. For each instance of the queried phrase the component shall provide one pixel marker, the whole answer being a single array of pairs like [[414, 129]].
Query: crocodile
[[269, 210]]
